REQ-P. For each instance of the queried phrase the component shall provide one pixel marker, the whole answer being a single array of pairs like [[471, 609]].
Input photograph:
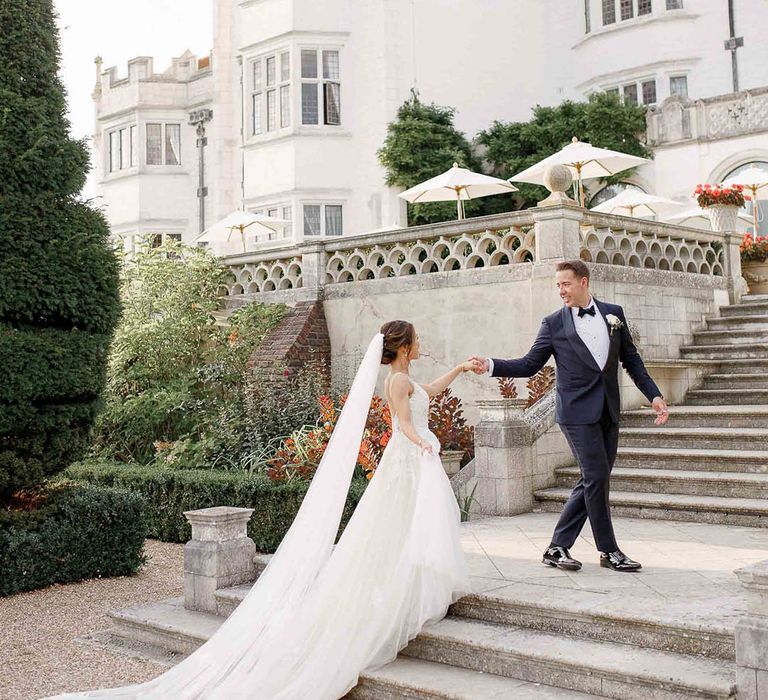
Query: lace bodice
[[419, 402]]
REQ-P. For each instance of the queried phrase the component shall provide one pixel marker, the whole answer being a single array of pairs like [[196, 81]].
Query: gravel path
[[38, 652]]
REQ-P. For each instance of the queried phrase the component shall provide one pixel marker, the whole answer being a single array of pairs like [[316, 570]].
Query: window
[[613, 91], [173, 144], [678, 85], [271, 93], [163, 150], [630, 93], [134, 146], [333, 221], [587, 21], [154, 144], [323, 220], [649, 92], [627, 11], [674, 4], [287, 215], [609, 11], [320, 91], [121, 148], [644, 7]]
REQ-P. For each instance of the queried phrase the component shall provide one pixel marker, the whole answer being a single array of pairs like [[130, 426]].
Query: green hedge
[[168, 493], [82, 531]]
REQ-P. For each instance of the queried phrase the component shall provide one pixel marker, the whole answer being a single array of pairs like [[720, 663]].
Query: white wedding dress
[[319, 615]]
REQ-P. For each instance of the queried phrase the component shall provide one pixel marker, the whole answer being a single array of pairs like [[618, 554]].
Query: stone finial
[[99, 61], [557, 179]]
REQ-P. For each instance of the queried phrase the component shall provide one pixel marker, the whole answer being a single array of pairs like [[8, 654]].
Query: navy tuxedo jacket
[[582, 387]]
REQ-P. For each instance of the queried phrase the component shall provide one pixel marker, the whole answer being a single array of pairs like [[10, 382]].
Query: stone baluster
[[737, 285], [503, 454], [220, 554], [752, 635]]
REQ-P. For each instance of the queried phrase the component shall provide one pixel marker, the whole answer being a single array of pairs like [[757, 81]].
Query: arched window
[[762, 196], [610, 191]]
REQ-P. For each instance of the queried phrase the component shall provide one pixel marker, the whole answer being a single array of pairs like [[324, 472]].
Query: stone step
[[544, 609], [726, 351], [720, 397], [736, 381], [608, 669], [757, 323], [753, 307], [417, 679], [665, 449], [741, 416], [702, 509], [529, 640], [677, 481], [753, 297], [728, 336], [741, 366]]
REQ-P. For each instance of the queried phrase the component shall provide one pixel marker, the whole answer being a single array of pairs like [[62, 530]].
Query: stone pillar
[[558, 233], [313, 266], [752, 635], [503, 454], [737, 285], [220, 554]]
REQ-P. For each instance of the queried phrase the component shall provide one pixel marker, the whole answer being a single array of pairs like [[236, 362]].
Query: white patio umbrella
[[752, 179], [584, 160], [636, 203], [241, 221], [457, 184]]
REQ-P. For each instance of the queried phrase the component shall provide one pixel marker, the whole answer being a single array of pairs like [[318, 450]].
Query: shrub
[[754, 248], [447, 422], [58, 274], [67, 532], [168, 493]]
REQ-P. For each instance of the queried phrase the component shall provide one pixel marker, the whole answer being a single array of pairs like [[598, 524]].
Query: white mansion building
[[287, 113]]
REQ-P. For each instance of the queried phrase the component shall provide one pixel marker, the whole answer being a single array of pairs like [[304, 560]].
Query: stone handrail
[[633, 242]]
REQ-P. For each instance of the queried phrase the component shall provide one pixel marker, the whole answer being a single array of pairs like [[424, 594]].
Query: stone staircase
[[573, 636], [710, 462], [526, 641]]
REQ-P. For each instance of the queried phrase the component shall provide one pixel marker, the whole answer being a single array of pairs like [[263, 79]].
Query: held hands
[[662, 412], [479, 365], [468, 366]]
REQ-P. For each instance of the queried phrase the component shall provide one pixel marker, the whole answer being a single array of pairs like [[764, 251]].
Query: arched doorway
[[762, 196], [610, 191]]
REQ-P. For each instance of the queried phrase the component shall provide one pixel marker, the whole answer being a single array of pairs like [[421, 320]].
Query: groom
[[588, 338]]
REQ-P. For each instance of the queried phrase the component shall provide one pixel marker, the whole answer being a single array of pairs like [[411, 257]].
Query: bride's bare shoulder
[[399, 384]]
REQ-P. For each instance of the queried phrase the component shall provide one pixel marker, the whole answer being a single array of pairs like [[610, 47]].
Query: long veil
[[245, 636]]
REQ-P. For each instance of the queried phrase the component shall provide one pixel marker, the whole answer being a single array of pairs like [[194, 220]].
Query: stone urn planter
[[756, 274], [723, 217], [451, 460]]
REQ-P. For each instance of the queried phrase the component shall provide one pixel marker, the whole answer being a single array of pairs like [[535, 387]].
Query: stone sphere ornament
[[558, 178]]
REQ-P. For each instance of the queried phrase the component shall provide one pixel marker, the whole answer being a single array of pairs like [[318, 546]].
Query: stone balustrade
[[752, 634]]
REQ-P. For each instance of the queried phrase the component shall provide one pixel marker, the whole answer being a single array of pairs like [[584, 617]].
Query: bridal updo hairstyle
[[396, 335]]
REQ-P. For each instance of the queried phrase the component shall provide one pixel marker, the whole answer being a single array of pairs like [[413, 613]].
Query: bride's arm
[[435, 387], [398, 390]]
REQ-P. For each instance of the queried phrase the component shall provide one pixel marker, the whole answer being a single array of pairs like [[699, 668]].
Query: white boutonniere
[[614, 322]]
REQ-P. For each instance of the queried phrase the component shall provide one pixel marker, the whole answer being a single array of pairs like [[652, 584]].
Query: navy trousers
[[594, 447]]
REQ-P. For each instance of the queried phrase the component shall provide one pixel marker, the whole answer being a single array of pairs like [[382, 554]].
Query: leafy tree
[[602, 121], [421, 143], [58, 276]]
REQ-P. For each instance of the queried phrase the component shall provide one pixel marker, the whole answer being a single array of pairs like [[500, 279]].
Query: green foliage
[[168, 493], [58, 275], [603, 121], [78, 531], [420, 144]]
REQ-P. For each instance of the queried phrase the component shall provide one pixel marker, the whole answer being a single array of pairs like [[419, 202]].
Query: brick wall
[[300, 337]]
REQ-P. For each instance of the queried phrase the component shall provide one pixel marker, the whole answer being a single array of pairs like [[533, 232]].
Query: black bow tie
[[590, 311]]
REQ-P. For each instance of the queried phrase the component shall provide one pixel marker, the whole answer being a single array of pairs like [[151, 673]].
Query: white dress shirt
[[593, 333]]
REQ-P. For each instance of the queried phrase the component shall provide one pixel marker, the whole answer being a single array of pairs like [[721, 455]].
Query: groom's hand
[[480, 364], [662, 412]]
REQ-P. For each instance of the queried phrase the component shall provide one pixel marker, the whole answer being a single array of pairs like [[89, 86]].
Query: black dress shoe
[[618, 561], [561, 558]]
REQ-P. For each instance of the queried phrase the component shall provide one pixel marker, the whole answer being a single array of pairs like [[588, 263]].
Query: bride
[[319, 615]]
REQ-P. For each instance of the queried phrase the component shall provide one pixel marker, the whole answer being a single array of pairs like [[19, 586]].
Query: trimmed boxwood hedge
[[168, 493], [81, 531]]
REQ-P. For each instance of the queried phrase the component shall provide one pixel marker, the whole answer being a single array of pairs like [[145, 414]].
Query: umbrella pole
[[581, 185], [242, 235], [754, 211], [459, 213]]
